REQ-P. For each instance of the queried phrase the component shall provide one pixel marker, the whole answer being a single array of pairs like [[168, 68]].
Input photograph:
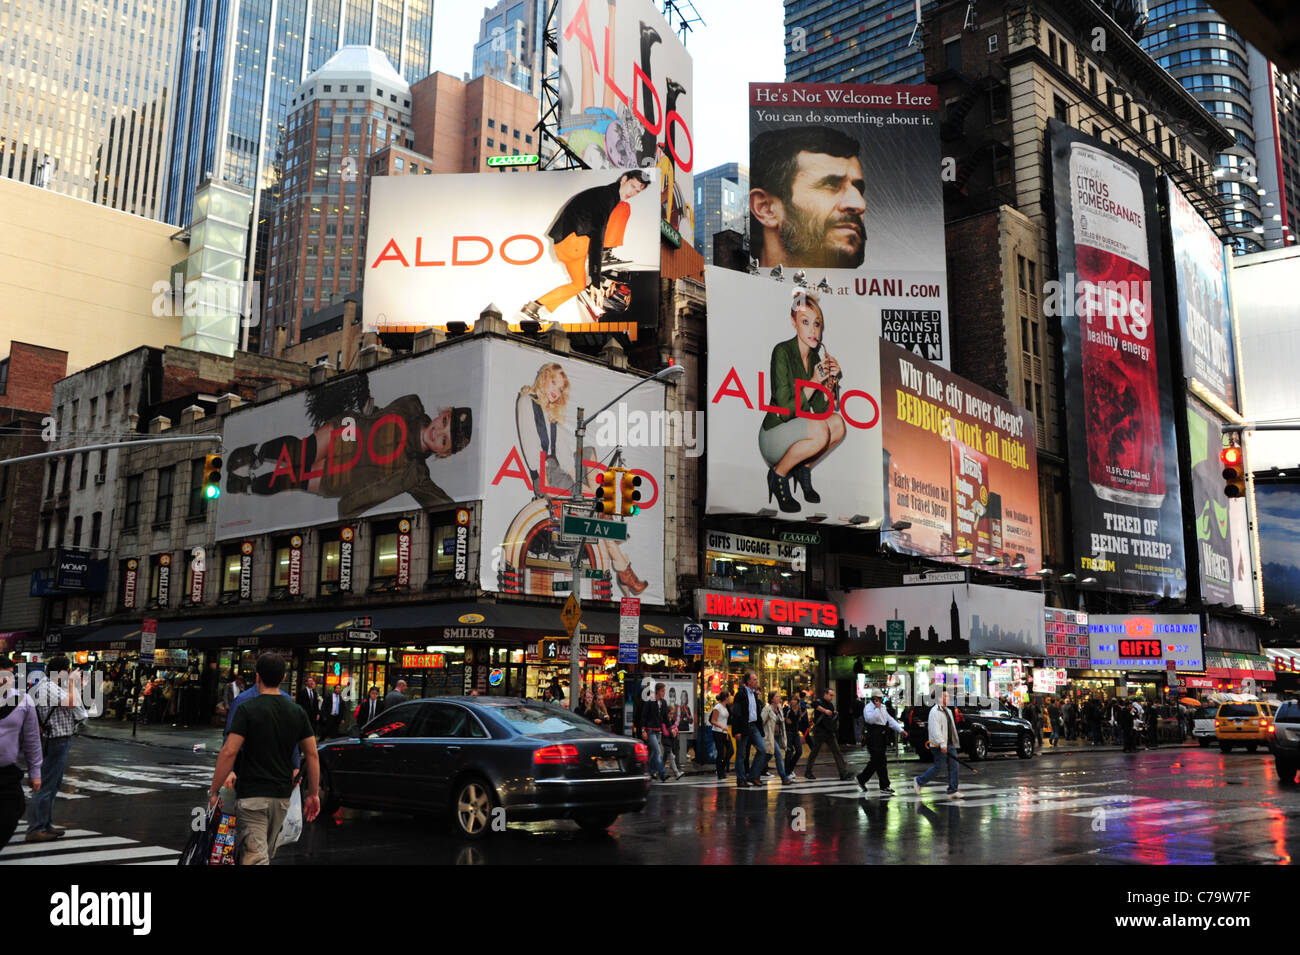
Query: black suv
[[980, 730]]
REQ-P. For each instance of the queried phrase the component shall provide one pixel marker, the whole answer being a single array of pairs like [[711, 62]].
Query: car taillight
[[561, 755], [1218, 722], [642, 754], [1272, 728]]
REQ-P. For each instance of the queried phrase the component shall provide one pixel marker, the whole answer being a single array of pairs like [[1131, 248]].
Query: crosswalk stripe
[[60, 794], [33, 848], [153, 862], [95, 785], [137, 776], [1149, 805], [104, 855]]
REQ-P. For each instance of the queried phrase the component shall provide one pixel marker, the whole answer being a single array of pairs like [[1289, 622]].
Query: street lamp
[[580, 432], [961, 552], [991, 561]]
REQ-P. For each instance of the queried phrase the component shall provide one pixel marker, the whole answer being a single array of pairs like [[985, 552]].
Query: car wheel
[[1225, 747], [1025, 747], [1205, 741], [596, 821], [472, 806], [1286, 772], [979, 747], [1252, 747]]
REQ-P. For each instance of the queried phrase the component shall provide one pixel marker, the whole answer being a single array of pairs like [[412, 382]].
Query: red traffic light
[[1231, 457]]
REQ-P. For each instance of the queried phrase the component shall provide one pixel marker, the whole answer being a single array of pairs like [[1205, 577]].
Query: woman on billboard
[[587, 227], [546, 440], [790, 444]]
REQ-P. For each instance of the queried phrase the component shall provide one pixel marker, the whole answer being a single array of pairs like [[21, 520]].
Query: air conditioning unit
[[99, 478]]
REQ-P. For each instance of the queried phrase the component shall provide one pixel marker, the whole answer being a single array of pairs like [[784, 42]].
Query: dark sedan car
[[469, 756], [980, 731]]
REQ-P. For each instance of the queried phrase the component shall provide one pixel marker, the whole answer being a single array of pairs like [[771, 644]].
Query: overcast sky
[[739, 43]]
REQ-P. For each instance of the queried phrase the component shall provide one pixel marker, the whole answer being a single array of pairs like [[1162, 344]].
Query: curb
[[145, 742]]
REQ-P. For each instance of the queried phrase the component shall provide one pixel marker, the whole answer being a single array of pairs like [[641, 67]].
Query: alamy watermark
[[630, 428]]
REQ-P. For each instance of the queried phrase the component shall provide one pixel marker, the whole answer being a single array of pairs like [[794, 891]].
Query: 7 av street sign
[[578, 526]]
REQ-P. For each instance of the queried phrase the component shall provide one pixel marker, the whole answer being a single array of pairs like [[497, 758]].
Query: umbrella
[[1190, 701]]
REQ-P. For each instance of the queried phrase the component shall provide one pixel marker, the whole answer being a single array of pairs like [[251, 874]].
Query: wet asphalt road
[[127, 803]]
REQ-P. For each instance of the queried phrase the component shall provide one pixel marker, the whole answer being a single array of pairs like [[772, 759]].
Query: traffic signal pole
[[187, 439], [575, 664]]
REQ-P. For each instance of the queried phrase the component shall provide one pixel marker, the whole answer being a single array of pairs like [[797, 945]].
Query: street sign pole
[[575, 663]]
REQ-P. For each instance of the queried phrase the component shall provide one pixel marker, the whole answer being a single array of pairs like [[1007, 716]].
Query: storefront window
[[788, 669], [750, 576]]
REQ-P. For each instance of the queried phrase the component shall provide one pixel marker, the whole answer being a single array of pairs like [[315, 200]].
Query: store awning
[[1238, 666], [395, 624]]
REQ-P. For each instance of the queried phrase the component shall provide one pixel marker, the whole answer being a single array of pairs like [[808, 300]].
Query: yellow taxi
[[1243, 724]]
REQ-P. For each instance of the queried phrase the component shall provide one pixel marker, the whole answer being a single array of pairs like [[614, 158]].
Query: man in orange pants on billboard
[[590, 224]]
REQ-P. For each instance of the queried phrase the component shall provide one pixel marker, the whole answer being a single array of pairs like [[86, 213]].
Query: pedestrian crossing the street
[[85, 847]]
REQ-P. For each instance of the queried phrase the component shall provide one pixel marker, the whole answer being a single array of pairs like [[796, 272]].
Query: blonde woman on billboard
[[546, 439], [586, 228], [790, 444]]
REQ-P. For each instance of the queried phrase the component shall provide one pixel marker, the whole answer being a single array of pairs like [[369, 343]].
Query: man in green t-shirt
[[267, 728]]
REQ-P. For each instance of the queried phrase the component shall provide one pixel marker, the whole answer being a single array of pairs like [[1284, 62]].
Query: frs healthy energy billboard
[[961, 467], [477, 420], [626, 98], [794, 417], [830, 197], [1209, 355], [1118, 407], [574, 247], [1222, 548]]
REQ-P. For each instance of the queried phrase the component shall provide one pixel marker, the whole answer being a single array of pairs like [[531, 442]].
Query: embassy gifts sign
[[829, 197], [1146, 642], [1204, 317], [1119, 405], [794, 419], [440, 248], [627, 99], [961, 466]]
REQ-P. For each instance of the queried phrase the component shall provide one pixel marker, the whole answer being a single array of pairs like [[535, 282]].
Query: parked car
[[469, 756], [1203, 724], [1284, 741], [1242, 724], [980, 730]]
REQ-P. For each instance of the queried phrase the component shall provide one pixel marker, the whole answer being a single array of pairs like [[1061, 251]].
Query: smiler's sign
[[403, 553], [295, 565]]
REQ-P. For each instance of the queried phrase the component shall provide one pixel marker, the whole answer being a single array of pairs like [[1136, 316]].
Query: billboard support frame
[[562, 156]]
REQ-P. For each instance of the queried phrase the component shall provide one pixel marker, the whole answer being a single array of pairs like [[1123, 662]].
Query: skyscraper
[[86, 93], [236, 81], [721, 201], [862, 41], [1258, 176], [509, 46]]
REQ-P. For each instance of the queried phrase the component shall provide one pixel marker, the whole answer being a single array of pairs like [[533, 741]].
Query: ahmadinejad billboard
[[794, 422], [575, 247], [477, 420], [830, 197], [1124, 490], [627, 98]]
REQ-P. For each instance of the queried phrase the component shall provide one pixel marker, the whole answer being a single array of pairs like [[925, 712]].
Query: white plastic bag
[[292, 828]]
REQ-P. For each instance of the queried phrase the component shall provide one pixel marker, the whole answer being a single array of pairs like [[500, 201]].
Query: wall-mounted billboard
[[1118, 402], [961, 467], [1226, 567], [794, 419], [1145, 641], [485, 420], [829, 197], [1204, 315], [573, 247], [627, 99]]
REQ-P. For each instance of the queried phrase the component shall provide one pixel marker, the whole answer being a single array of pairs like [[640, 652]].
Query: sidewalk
[[155, 734]]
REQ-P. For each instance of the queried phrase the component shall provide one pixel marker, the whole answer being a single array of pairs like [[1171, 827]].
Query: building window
[[4, 376], [993, 42], [1029, 394], [67, 476], [1038, 404], [1092, 79], [442, 544], [85, 470], [280, 565], [383, 553], [492, 124], [131, 515], [1061, 109], [331, 553], [126, 401], [490, 143], [952, 55], [96, 525], [1051, 44], [76, 531], [230, 564], [166, 478], [198, 503], [52, 476]]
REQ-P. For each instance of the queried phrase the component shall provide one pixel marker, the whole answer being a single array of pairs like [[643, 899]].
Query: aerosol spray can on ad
[[1121, 378]]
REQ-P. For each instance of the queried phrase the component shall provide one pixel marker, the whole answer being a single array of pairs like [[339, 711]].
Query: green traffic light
[[634, 511], [212, 492]]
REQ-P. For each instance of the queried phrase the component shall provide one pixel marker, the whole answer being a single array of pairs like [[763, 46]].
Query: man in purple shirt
[[19, 734]]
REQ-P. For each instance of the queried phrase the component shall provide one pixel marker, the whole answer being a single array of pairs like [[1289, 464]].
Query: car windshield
[[1203, 713], [1238, 709], [533, 719], [1289, 713]]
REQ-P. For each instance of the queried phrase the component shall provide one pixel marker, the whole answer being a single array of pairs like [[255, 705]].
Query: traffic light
[[1234, 472], [607, 492], [628, 494], [212, 476]]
